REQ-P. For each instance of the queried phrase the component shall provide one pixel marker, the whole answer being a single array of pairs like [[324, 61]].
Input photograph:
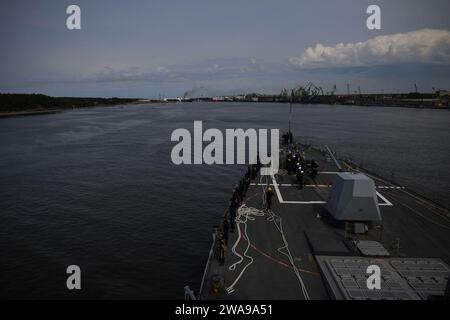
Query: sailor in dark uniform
[[236, 195], [299, 174], [219, 249], [248, 174], [225, 229], [294, 161], [246, 183], [241, 189], [289, 161], [285, 138], [314, 169], [232, 209], [269, 195]]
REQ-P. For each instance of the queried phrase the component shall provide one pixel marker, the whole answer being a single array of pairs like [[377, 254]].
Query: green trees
[[12, 102]]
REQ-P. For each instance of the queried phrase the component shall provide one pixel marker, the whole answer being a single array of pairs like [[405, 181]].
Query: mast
[[290, 109]]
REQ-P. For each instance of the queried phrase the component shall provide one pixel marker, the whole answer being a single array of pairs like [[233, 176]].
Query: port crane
[[306, 93]]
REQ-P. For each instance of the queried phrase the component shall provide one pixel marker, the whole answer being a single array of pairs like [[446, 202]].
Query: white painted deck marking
[[281, 200], [277, 190], [386, 201], [305, 202], [292, 185], [317, 185]]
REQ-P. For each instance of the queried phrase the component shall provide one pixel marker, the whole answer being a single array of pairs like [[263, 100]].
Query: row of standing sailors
[[228, 222], [295, 162]]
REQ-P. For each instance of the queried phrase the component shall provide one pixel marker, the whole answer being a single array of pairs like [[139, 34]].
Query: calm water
[[96, 188]]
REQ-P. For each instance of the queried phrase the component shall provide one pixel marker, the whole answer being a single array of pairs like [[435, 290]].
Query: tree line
[[13, 102]]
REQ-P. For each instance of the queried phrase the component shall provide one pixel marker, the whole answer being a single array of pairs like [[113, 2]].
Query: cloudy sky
[[137, 48]]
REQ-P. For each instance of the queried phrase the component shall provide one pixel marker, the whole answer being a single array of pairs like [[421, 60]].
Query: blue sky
[[152, 48]]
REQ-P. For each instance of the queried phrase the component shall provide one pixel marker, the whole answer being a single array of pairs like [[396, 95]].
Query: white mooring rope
[[246, 214]]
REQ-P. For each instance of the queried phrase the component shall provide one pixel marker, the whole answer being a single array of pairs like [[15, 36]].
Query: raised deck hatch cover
[[401, 278]]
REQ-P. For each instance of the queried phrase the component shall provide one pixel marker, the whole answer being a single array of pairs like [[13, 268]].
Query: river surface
[[97, 188]]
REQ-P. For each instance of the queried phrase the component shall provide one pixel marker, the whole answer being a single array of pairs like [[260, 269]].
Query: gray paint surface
[[353, 198]]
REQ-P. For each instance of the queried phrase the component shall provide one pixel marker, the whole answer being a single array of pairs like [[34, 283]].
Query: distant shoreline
[[52, 111], [17, 105], [60, 110], [28, 113], [12, 105]]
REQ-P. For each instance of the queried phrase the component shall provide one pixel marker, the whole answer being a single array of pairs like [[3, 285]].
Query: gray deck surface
[[421, 228]]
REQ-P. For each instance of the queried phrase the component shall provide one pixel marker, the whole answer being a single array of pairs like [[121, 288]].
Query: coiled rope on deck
[[246, 214]]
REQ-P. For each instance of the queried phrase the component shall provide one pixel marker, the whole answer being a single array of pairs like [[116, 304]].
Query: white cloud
[[422, 46], [162, 69]]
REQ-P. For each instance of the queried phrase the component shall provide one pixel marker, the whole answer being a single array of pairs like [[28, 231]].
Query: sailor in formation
[[269, 195], [299, 173]]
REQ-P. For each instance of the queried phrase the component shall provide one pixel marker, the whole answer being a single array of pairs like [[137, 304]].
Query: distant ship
[[172, 99]]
